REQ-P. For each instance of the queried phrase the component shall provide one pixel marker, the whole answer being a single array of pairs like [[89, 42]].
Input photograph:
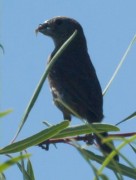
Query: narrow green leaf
[[47, 124], [22, 163], [2, 176], [119, 65], [133, 148], [125, 170], [86, 158], [104, 177], [21, 168], [12, 161], [85, 129], [35, 139], [2, 48], [41, 82], [133, 115], [4, 113], [30, 170], [113, 153]]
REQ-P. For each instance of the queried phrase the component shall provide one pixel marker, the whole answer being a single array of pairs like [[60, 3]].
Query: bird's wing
[[80, 84]]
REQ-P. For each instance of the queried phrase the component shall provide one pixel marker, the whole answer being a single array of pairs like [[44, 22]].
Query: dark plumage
[[73, 78]]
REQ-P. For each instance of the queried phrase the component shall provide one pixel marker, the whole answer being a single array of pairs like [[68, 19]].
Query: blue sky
[[109, 27]]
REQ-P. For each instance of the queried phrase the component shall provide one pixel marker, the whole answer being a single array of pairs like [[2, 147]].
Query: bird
[[73, 78]]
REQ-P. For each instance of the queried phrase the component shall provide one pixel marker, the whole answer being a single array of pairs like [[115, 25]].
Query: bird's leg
[[44, 145], [66, 116], [89, 139]]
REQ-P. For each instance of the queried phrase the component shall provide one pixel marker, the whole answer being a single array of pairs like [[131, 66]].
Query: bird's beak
[[43, 28], [40, 27]]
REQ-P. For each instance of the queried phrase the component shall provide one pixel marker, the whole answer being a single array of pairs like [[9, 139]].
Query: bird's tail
[[104, 147]]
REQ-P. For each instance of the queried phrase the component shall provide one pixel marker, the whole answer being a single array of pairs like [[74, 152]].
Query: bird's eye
[[58, 22]]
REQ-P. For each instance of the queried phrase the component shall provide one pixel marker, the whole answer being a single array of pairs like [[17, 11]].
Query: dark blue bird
[[73, 78]]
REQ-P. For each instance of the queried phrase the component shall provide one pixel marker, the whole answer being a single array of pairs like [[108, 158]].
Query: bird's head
[[59, 29]]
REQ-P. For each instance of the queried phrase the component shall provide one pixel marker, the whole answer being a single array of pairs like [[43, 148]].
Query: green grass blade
[[133, 115], [2, 176], [44, 76], [119, 65], [22, 169], [125, 170], [2, 48], [87, 159], [35, 139], [85, 129], [4, 113], [30, 170], [12, 161], [113, 153]]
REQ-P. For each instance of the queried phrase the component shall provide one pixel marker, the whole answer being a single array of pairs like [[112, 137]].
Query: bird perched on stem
[[73, 78]]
